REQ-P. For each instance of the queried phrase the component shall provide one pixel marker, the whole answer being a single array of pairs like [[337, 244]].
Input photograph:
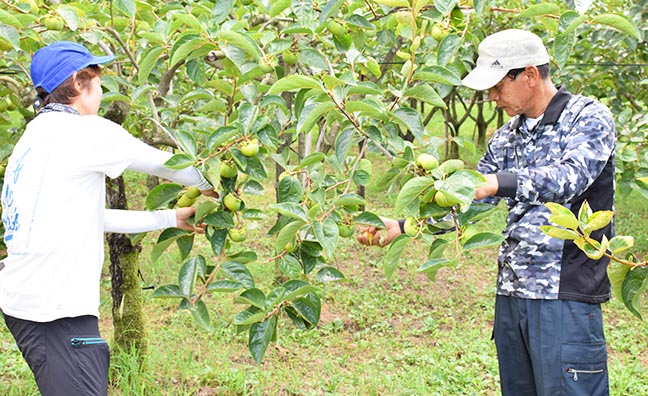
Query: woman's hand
[[182, 218]]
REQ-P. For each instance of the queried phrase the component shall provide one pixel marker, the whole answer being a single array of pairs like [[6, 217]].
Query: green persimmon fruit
[[426, 161], [249, 148], [232, 203], [185, 201], [438, 32], [227, 170], [443, 200], [411, 227], [193, 192], [289, 57], [346, 230], [238, 234], [451, 166], [53, 23], [335, 28]]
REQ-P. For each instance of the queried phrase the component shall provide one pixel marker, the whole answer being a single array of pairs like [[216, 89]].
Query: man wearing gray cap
[[557, 147]]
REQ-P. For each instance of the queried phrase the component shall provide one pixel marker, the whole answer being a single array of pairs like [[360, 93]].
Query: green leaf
[[584, 214], [249, 316], [10, 34], [393, 3], [289, 190], [311, 159], [220, 219], [166, 239], [425, 93], [617, 273], [349, 200], [540, 9], [343, 144], [312, 114], [620, 243], [444, 6], [168, 291], [431, 267], [295, 82], [411, 191], [560, 233], [394, 251], [148, 61], [598, 220], [327, 235], [260, 336], [188, 273], [187, 142], [224, 286], [290, 209], [618, 22], [309, 309], [438, 74], [238, 272], [288, 233], [278, 6], [633, 288], [161, 195], [217, 240], [483, 239], [562, 47], [369, 218], [200, 314], [253, 296], [297, 288], [180, 161], [410, 119], [329, 274], [242, 41], [447, 48], [562, 216], [290, 267], [128, 7]]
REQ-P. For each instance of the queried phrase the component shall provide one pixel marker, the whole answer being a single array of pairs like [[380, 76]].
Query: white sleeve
[[133, 221], [151, 161]]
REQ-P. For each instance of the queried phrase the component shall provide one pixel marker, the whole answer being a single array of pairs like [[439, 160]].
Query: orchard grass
[[404, 336]]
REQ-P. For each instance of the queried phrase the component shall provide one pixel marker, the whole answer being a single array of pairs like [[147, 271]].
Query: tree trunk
[[128, 321]]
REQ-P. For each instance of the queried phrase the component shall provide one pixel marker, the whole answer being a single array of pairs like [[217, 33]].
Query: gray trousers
[[550, 348], [67, 356]]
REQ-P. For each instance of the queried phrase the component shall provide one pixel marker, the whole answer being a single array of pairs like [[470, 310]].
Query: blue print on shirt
[[10, 215]]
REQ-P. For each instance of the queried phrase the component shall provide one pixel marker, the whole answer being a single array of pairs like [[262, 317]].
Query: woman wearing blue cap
[[54, 214]]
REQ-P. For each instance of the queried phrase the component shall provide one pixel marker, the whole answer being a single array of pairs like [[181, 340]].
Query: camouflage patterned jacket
[[567, 158]]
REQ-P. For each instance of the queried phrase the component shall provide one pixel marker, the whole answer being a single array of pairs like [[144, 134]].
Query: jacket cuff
[[507, 184]]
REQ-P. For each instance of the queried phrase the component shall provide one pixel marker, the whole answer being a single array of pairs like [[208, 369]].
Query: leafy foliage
[[308, 87]]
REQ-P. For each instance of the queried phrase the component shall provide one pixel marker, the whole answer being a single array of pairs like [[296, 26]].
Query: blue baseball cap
[[55, 63]]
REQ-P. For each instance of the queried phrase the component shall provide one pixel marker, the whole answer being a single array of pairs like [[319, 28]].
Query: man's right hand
[[373, 236]]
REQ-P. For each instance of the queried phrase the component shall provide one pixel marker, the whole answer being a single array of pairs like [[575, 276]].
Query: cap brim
[[99, 60], [481, 78]]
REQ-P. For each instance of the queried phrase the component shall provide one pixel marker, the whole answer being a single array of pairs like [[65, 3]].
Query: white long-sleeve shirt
[[54, 214]]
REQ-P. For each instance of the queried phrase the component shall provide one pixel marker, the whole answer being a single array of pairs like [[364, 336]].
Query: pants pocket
[[92, 356], [584, 368]]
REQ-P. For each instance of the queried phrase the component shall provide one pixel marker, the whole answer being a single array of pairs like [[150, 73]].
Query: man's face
[[511, 94]]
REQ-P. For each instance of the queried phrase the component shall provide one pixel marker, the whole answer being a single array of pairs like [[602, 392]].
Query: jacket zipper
[[576, 372], [79, 342]]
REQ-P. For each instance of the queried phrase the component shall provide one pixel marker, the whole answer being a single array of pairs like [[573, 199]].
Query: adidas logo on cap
[[496, 65]]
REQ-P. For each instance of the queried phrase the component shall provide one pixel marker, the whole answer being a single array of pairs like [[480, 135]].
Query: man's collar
[[556, 106]]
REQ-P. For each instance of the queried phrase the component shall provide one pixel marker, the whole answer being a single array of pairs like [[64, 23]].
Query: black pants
[[67, 356]]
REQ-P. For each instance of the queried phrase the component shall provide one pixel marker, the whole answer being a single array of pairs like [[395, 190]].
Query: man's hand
[[182, 218], [371, 236], [489, 189]]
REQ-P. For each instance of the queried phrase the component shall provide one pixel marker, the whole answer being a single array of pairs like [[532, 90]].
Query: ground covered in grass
[[405, 336]]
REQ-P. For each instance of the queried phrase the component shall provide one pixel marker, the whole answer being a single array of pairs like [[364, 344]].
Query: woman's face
[[89, 101]]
